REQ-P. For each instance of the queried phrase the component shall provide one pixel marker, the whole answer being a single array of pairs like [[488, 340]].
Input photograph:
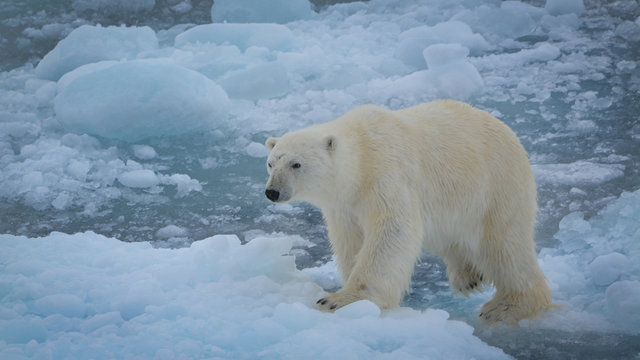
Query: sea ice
[[592, 255], [576, 173], [563, 7], [271, 36], [88, 44], [450, 72], [141, 99], [89, 296], [144, 152], [114, 6], [142, 178], [415, 40], [258, 11]]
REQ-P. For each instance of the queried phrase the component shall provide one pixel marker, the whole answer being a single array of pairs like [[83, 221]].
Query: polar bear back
[[455, 161]]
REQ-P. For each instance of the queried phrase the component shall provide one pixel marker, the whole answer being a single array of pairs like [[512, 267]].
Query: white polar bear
[[441, 176]]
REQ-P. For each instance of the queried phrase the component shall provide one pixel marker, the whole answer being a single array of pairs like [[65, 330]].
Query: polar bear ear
[[271, 142], [330, 142]]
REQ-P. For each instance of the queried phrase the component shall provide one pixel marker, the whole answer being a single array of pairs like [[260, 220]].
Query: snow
[[86, 295], [140, 99], [258, 11], [89, 44]]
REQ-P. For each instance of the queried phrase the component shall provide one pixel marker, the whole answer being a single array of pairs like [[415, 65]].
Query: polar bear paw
[[466, 281], [335, 301]]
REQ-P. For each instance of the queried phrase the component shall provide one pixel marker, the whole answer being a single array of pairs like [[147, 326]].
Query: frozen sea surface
[[143, 121]]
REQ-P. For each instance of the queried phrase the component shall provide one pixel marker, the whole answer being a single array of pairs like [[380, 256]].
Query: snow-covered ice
[[141, 99], [89, 296], [144, 121], [90, 44]]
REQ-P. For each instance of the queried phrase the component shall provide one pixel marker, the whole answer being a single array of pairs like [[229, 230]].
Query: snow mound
[[88, 44], [139, 99], [260, 11], [75, 296]]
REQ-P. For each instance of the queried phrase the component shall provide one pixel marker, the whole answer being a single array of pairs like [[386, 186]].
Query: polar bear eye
[[296, 166], [269, 165]]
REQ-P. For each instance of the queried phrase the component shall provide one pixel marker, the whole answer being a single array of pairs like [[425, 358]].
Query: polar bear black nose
[[272, 195]]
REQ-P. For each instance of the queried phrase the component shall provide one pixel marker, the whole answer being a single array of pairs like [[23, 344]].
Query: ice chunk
[[605, 269], [135, 100], [541, 53], [67, 305], [415, 40], [114, 6], [629, 31], [271, 36], [89, 44], [622, 301], [593, 254], [450, 72], [139, 178], [563, 7], [214, 299], [144, 152], [263, 81], [576, 173], [359, 309], [170, 231], [184, 183], [256, 150], [515, 21], [260, 11]]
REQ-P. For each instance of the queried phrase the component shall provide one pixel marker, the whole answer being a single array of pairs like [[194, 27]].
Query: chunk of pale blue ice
[[271, 36], [88, 44], [415, 40], [114, 6], [260, 11], [144, 152], [576, 173], [563, 7], [74, 296], [143, 178], [262, 81], [594, 272], [140, 99], [450, 72]]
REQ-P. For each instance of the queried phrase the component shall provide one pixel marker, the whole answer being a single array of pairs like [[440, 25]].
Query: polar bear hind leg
[[521, 287]]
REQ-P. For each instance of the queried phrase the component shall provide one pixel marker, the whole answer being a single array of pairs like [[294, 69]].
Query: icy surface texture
[[90, 44], [140, 99], [259, 11], [88, 296], [595, 270], [563, 74]]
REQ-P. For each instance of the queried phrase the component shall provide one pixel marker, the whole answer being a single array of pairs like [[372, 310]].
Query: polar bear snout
[[272, 195]]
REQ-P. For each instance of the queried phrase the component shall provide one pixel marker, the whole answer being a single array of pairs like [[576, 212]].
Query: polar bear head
[[299, 166]]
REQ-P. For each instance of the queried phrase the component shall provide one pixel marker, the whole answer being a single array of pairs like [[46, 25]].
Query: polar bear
[[442, 177]]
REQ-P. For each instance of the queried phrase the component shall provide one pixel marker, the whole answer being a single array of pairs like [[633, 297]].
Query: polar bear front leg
[[383, 267]]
